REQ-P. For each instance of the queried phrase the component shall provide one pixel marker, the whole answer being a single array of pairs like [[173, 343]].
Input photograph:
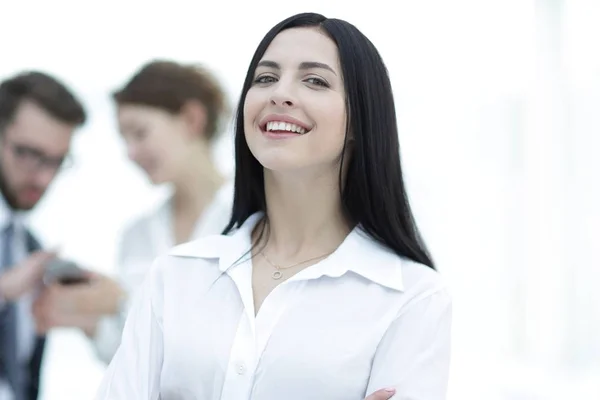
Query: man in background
[[38, 116]]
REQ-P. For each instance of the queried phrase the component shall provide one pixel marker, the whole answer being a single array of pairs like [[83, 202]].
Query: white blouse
[[361, 320], [141, 243]]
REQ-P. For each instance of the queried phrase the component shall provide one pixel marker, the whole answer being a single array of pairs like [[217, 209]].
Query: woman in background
[[321, 287], [169, 115]]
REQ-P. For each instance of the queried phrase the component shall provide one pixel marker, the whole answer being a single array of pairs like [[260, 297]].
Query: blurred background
[[499, 114]]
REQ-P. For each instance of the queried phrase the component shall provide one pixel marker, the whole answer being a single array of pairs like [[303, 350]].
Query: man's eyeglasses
[[33, 159]]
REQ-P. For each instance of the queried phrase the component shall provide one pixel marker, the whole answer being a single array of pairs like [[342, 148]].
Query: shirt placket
[[242, 358], [242, 363], [253, 334]]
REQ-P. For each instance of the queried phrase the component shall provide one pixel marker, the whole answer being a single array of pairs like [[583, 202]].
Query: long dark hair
[[372, 192]]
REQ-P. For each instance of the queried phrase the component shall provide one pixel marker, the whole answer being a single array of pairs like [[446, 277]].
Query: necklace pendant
[[276, 275]]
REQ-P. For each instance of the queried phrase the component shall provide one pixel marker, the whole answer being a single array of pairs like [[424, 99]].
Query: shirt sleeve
[[414, 354], [134, 372], [107, 337]]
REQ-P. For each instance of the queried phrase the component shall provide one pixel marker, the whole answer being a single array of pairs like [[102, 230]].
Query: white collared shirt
[[361, 320], [141, 243]]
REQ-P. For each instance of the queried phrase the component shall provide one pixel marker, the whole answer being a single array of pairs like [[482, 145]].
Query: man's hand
[[382, 394], [79, 305], [24, 277]]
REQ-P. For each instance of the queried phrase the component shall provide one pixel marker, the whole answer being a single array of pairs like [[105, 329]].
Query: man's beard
[[10, 196]]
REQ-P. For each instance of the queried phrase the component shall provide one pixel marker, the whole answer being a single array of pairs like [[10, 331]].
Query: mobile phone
[[64, 272]]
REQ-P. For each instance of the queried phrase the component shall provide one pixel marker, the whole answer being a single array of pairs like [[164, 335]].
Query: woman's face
[[156, 140], [294, 113]]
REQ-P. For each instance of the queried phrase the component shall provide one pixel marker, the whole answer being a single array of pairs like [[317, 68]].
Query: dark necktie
[[9, 365]]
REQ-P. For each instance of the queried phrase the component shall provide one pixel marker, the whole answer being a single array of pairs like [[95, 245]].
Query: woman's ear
[[194, 116]]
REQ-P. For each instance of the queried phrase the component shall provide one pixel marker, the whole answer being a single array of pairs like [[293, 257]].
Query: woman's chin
[[279, 163]]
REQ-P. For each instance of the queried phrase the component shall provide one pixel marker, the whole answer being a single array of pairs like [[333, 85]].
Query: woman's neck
[[305, 216], [196, 186]]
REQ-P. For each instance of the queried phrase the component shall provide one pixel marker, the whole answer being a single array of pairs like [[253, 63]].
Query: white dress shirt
[[141, 243], [25, 322], [361, 320]]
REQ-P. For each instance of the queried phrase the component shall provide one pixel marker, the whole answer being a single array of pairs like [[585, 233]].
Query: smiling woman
[[308, 95], [320, 287]]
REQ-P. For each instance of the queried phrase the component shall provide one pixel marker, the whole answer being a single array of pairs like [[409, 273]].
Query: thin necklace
[[277, 274]]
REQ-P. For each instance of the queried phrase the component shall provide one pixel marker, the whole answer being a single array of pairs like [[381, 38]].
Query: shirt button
[[241, 369]]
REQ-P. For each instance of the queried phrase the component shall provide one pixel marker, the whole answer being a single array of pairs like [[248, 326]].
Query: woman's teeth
[[276, 126]]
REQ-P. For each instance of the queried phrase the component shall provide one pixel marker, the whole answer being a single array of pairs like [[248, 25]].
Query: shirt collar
[[358, 253]]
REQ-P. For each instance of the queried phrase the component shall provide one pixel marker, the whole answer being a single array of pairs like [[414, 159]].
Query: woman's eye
[[265, 79], [317, 82]]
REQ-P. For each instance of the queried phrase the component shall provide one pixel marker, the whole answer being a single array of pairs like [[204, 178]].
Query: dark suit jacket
[[35, 363]]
